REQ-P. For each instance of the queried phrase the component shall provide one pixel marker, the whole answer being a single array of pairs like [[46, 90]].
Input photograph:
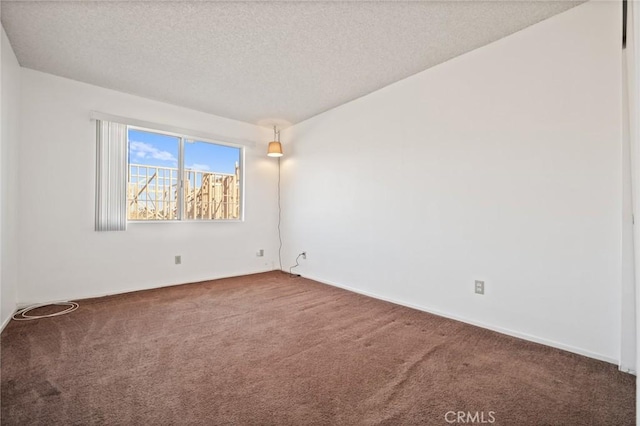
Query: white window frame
[[181, 207]]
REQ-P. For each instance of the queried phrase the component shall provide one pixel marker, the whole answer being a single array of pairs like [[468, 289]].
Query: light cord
[[279, 215], [291, 274]]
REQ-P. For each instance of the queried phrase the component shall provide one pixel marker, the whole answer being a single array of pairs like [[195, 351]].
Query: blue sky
[[154, 149]]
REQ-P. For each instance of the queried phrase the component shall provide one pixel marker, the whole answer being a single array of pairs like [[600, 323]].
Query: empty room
[[327, 213]]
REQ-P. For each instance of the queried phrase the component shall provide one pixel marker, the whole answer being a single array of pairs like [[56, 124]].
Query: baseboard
[[626, 369], [5, 322], [497, 329], [21, 305], [491, 327]]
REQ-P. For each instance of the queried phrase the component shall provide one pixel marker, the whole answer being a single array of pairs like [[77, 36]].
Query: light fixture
[[275, 148]]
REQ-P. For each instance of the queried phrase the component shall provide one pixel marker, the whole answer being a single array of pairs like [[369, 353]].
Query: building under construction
[[153, 193]]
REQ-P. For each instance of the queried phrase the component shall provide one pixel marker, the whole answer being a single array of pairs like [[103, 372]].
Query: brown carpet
[[267, 349]]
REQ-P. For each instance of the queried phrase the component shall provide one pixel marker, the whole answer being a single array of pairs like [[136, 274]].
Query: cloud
[[196, 166], [144, 150]]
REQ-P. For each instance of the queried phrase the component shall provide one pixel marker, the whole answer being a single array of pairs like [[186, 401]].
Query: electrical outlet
[[178, 260], [479, 287], [304, 255], [260, 253]]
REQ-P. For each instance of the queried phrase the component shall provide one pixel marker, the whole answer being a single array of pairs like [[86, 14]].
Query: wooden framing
[[152, 194]]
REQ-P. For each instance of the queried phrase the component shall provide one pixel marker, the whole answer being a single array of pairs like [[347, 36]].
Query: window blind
[[111, 176]]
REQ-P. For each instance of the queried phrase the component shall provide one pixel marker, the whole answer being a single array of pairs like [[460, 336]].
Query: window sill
[[130, 222]]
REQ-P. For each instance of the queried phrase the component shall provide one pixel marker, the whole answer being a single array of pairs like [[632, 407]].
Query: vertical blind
[[111, 176]]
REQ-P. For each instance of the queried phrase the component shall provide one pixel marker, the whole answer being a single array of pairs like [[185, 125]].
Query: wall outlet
[[178, 260], [304, 255], [260, 253], [479, 287]]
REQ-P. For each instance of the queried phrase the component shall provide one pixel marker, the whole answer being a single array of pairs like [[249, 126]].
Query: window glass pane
[[212, 181], [152, 188]]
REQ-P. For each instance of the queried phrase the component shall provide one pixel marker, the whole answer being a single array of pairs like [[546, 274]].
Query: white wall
[[62, 257], [502, 165], [628, 334], [632, 73], [10, 105]]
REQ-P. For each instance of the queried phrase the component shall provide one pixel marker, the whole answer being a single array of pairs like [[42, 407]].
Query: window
[[172, 177]]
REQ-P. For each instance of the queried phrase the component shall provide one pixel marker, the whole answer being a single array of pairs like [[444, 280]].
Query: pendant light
[[275, 148]]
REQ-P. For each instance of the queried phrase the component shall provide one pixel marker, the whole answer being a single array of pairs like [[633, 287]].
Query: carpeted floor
[[270, 350]]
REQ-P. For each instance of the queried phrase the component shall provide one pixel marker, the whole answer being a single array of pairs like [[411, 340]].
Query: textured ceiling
[[256, 62]]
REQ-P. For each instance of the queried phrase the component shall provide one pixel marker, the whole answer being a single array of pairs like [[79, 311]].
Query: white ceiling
[[255, 62]]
